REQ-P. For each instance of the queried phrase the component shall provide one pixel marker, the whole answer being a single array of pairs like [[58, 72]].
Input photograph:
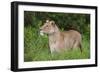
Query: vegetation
[[36, 47]]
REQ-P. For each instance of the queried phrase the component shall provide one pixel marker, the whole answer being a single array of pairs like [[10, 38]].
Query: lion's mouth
[[41, 33]]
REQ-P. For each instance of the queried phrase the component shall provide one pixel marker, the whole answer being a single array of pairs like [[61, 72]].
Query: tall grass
[[36, 48]]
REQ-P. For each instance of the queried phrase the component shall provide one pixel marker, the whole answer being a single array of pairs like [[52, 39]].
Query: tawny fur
[[61, 41]]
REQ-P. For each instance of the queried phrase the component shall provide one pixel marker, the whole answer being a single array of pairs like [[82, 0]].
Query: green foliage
[[33, 43], [66, 21], [36, 47]]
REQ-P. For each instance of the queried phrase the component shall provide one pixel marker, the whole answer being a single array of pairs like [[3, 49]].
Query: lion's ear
[[52, 22], [47, 21]]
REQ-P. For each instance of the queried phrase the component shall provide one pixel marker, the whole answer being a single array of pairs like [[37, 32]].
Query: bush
[[36, 48]]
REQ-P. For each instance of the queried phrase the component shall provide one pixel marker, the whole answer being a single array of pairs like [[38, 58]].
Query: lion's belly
[[57, 46]]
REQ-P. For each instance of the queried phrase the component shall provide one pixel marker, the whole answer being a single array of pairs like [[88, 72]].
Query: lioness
[[60, 41]]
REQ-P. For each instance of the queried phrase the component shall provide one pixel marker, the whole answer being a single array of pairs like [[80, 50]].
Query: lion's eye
[[47, 26]]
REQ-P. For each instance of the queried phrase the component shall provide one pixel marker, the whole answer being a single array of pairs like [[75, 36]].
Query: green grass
[[36, 48]]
